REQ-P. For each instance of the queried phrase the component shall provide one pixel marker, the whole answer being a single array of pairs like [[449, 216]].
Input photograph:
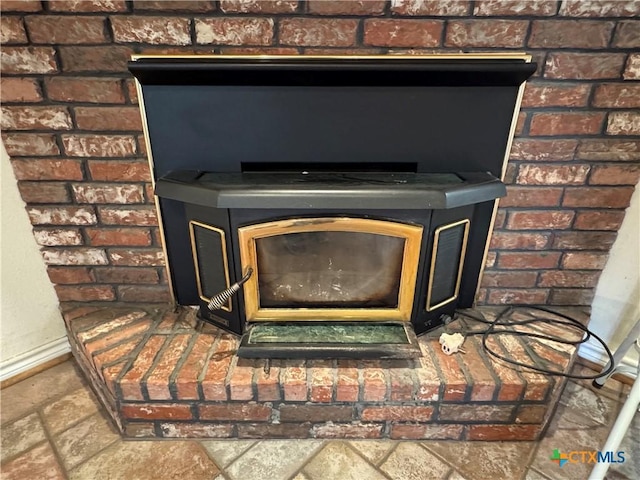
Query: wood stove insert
[[328, 206]]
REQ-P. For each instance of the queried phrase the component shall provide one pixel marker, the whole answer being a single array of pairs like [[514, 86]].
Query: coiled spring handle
[[220, 299]]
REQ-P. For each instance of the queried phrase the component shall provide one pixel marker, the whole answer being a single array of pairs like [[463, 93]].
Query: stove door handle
[[220, 299]]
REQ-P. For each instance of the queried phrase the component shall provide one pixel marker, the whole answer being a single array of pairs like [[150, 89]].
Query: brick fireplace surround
[[72, 127]]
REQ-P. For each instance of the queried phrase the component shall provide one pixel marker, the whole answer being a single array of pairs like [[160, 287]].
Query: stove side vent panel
[[210, 259], [449, 248]]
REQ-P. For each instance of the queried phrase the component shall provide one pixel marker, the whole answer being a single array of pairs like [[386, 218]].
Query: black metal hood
[[433, 114]]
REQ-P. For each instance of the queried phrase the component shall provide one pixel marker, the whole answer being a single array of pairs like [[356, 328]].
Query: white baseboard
[[31, 359], [596, 354]]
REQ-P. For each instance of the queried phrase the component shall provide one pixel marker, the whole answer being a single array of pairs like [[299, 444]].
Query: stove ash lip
[[308, 191]]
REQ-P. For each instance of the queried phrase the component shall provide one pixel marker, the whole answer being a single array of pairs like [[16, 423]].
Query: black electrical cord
[[564, 320]]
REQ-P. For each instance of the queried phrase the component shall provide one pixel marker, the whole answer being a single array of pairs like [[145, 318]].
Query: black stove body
[[417, 142]]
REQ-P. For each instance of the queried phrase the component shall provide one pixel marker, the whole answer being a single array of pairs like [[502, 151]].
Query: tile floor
[[53, 428]]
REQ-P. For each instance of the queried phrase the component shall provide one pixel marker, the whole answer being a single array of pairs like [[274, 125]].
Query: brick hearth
[[159, 377]]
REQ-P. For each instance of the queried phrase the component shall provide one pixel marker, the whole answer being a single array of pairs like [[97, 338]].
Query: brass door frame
[[412, 234]]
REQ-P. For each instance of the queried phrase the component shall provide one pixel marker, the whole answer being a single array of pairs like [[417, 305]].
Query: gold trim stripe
[[194, 253], [496, 202], [156, 200], [448, 56], [434, 254]]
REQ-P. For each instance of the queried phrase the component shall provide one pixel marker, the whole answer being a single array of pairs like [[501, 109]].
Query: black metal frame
[[330, 71], [230, 220], [449, 114]]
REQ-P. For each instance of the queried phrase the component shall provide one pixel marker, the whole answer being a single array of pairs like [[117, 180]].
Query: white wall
[[31, 327], [616, 305]]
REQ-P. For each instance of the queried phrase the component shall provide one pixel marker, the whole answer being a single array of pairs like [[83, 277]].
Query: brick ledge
[[159, 377]]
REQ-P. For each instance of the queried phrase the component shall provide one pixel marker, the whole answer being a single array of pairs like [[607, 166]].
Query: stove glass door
[[330, 269]]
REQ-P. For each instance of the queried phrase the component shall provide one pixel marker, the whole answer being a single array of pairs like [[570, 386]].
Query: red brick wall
[[72, 128]]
